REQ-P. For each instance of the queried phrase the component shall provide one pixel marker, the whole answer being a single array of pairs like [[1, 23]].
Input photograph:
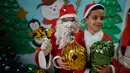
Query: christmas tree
[[13, 22], [112, 18], [10, 62]]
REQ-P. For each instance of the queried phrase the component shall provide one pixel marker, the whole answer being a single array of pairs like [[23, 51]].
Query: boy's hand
[[105, 69], [62, 64]]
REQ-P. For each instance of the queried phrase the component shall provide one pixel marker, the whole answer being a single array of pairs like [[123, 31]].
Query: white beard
[[64, 32]]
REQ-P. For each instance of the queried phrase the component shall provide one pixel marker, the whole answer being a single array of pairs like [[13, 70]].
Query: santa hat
[[67, 10], [89, 7]]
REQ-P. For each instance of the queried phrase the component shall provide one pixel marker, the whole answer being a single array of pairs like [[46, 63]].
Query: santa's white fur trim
[[87, 12], [42, 60], [113, 69], [46, 25], [89, 42], [125, 61], [87, 70], [68, 15], [54, 61]]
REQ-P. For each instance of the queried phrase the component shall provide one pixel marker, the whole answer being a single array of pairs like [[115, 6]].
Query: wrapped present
[[101, 53], [75, 55]]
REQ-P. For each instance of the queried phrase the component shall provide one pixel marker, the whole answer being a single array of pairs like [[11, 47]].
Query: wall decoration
[[14, 24], [15, 16]]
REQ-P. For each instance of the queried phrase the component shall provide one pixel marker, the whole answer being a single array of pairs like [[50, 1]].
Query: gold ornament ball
[[75, 56]]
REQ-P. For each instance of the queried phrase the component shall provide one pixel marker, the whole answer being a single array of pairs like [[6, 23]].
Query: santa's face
[[52, 11], [65, 30]]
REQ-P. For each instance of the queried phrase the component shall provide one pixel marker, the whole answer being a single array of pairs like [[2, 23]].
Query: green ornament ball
[[101, 52]]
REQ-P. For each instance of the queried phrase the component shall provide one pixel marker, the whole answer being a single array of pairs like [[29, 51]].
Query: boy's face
[[95, 20]]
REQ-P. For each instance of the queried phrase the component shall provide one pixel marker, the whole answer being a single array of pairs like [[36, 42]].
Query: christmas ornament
[[7, 68], [31, 68], [17, 58], [101, 53], [75, 55]]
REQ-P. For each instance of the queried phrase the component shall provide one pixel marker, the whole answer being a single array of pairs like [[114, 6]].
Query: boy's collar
[[97, 33]]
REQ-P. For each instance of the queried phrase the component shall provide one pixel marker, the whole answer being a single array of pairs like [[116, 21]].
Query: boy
[[93, 17]]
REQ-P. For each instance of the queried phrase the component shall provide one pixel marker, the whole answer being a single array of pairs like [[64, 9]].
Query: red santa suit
[[122, 64], [42, 60], [86, 39]]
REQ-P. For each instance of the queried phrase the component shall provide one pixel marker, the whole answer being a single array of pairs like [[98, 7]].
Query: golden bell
[[74, 55]]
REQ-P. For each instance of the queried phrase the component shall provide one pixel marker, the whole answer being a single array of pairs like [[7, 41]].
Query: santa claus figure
[[67, 32], [66, 29], [122, 63]]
